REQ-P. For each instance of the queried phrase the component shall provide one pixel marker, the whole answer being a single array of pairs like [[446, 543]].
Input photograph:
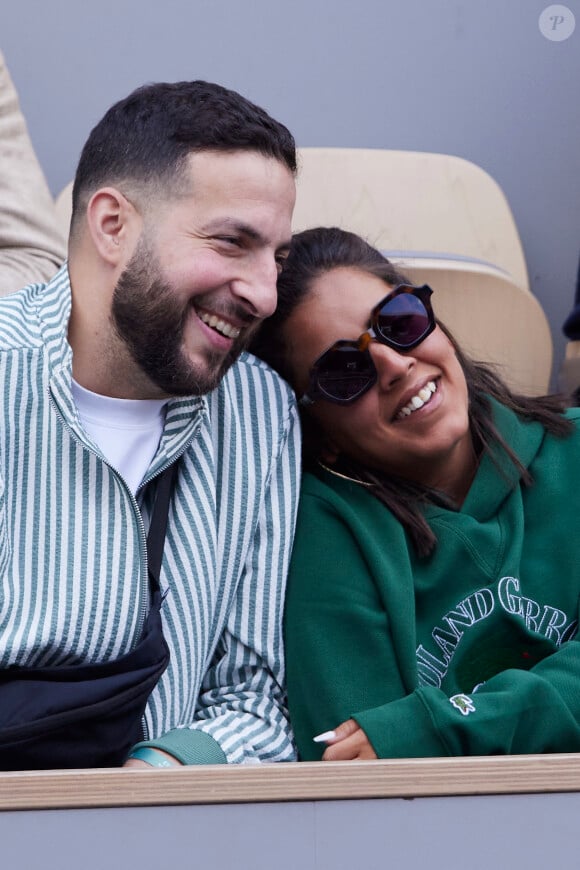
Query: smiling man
[[128, 363]]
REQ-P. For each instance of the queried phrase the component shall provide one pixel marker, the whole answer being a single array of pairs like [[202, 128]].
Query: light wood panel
[[222, 784]]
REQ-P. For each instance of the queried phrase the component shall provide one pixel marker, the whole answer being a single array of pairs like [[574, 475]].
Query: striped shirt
[[73, 567]]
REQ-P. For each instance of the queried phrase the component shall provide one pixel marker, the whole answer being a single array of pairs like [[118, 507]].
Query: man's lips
[[219, 324]]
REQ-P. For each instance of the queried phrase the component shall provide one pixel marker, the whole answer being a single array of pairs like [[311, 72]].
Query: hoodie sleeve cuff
[[189, 746], [402, 729]]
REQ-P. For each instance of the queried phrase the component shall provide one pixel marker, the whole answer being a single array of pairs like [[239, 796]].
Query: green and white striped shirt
[[73, 567]]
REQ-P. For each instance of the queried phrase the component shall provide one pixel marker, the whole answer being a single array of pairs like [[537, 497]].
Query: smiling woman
[[431, 609], [412, 419]]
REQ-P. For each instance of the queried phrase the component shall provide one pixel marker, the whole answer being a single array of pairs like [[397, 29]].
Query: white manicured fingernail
[[323, 738]]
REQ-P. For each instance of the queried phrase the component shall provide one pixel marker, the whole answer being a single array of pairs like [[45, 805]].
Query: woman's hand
[[348, 743]]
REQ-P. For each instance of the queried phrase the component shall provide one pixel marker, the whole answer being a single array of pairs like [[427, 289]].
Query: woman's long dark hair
[[316, 251]]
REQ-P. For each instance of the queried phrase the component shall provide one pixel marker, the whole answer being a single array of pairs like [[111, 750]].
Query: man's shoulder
[[255, 364], [255, 402], [36, 313], [253, 379], [19, 317]]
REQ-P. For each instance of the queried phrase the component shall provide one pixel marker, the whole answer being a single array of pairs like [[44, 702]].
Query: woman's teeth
[[417, 401], [219, 325]]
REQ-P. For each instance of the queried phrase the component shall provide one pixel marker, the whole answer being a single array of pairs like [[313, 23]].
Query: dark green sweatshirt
[[471, 651]]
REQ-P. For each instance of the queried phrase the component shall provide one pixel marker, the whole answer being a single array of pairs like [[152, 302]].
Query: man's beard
[[150, 321]]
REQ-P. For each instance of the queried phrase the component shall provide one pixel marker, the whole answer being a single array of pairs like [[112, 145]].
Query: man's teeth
[[220, 325], [418, 401]]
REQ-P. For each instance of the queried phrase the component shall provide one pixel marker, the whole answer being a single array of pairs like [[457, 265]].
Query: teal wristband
[[152, 757]]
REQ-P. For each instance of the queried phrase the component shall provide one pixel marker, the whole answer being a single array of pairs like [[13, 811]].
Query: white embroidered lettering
[[446, 642], [552, 621], [461, 617], [510, 602], [542, 619], [532, 611], [570, 632], [472, 609], [431, 669], [484, 603]]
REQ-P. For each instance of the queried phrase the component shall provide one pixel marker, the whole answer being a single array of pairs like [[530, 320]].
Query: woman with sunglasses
[[433, 598]]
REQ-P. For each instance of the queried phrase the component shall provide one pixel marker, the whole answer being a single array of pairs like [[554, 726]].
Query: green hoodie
[[471, 651]]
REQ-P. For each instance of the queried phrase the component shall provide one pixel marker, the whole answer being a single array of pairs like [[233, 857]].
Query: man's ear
[[114, 224]]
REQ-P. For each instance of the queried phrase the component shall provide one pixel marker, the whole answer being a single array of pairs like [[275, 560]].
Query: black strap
[[158, 524]]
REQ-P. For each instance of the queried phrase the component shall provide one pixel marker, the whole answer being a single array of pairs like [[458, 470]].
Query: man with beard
[[128, 363]]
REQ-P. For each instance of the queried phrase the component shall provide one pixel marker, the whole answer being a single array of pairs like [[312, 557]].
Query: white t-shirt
[[127, 431]]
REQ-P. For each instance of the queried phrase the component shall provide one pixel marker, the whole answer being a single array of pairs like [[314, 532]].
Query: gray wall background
[[475, 79]]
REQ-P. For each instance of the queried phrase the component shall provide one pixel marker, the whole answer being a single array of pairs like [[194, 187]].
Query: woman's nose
[[391, 365]]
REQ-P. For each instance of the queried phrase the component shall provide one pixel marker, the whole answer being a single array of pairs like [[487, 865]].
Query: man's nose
[[256, 287]]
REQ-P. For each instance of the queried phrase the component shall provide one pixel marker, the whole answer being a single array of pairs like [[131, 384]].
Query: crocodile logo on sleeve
[[463, 703]]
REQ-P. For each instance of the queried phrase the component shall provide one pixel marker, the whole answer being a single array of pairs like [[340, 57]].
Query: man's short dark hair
[[147, 137]]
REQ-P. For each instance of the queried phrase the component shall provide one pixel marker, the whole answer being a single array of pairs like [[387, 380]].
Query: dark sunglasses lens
[[403, 320], [345, 373]]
